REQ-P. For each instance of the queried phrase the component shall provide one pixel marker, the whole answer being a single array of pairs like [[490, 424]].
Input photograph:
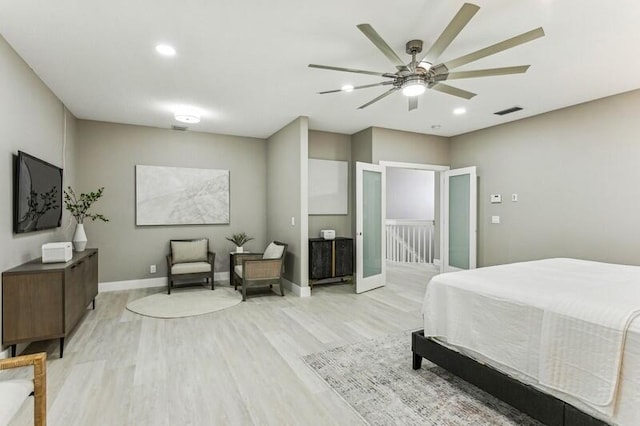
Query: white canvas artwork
[[181, 196], [328, 187]]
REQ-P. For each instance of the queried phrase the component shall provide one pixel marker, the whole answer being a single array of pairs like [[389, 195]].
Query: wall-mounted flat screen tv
[[37, 194]]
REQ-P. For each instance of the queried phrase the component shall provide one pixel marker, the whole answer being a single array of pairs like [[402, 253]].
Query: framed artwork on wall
[[181, 196]]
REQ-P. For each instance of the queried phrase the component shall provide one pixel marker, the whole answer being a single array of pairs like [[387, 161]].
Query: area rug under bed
[[375, 377]]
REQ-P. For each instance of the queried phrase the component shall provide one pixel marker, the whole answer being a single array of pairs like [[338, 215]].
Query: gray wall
[[287, 158], [331, 146], [409, 147], [32, 119], [576, 172], [107, 157]]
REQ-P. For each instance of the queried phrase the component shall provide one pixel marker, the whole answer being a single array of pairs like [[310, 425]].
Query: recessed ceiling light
[[165, 49], [459, 111], [347, 88], [187, 116]]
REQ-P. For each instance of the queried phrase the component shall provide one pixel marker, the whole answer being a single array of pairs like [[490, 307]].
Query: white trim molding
[[300, 291], [148, 283]]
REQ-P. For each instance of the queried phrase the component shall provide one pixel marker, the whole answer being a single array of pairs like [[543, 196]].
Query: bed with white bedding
[[570, 328]]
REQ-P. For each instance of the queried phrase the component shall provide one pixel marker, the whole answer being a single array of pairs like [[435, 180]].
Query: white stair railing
[[410, 241]]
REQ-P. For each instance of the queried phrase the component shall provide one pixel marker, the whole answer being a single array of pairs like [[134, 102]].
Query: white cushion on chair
[[189, 251], [190, 268], [13, 393], [273, 251], [238, 270]]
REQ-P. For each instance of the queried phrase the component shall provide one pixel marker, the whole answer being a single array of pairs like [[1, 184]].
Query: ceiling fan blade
[[498, 47], [488, 72], [328, 67], [382, 45], [384, 83], [413, 103], [462, 18], [385, 94], [450, 90]]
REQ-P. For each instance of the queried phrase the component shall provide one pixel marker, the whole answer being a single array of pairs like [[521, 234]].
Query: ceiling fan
[[419, 74]]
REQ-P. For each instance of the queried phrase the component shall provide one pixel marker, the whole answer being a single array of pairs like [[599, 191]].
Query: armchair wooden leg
[[244, 293]]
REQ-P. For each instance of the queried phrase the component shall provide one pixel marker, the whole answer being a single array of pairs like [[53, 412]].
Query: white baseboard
[[436, 262], [147, 283], [5, 354], [296, 289]]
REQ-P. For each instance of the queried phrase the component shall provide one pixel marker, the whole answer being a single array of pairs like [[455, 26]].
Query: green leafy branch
[[79, 205]]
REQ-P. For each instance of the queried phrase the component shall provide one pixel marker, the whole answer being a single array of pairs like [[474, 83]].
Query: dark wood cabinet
[[42, 301], [330, 259]]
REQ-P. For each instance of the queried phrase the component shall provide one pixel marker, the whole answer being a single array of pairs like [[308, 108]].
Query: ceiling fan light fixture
[[414, 86]]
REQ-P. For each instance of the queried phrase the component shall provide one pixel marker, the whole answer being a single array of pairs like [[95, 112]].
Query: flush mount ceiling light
[[414, 86], [347, 88], [459, 111], [165, 50], [190, 117]]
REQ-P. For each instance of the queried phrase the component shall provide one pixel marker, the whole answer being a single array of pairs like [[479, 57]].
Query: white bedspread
[[560, 323]]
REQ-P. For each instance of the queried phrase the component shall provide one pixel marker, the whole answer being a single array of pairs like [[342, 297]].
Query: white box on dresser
[[57, 252]]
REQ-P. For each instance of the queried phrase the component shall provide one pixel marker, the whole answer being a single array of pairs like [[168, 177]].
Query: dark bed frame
[[537, 404]]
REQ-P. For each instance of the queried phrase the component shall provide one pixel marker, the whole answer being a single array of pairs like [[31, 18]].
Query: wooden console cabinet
[[330, 259], [42, 301]]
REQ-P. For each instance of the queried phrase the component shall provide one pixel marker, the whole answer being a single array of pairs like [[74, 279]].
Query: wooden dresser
[[42, 301], [330, 260]]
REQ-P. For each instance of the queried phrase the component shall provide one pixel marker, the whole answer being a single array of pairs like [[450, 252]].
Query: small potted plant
[[239, 239], [79, 207]]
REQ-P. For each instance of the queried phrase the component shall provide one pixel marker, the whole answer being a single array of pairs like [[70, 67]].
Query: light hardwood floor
[[240, 366]]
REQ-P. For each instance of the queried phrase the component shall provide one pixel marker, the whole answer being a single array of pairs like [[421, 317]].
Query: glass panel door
[[370, 218], [459, 221], [460, 213]]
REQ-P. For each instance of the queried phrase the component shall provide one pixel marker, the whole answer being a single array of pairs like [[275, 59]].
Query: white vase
[[239, 249], [79, 238]]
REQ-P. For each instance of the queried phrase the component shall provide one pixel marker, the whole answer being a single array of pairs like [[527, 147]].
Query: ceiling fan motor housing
[[414, 47]]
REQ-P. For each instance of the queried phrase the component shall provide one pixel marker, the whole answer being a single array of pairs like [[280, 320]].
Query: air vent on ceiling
[[508, 110], [180, 128]]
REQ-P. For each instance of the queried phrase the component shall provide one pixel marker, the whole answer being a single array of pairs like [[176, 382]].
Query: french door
[[370, 222], [459, 219]]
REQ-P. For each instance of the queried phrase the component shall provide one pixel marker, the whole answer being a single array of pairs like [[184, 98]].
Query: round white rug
[[185, 302]]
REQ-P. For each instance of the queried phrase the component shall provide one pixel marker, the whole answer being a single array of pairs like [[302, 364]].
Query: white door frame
[[369, 283]]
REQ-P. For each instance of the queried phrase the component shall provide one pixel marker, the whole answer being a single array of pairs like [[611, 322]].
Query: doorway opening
[[413, 222]]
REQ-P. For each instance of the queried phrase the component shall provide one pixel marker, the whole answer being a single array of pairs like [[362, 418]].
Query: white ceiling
[[244, 63]]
